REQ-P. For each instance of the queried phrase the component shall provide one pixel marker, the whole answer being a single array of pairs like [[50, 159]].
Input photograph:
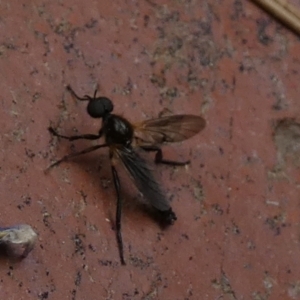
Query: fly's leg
[[159, 157], [118, 214], [69, 156], [76, 137]]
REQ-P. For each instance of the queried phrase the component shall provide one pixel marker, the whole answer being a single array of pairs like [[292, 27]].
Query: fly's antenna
[[84, 98], [95, 94]]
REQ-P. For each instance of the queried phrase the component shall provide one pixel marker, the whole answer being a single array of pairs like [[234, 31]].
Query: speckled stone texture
[[238, 230]]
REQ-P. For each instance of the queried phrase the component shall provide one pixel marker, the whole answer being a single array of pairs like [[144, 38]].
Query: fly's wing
[[145, 182], [170, 129]]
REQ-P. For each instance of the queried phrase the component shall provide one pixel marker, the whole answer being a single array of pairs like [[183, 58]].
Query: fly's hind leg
[[159, 157], [118, 214]]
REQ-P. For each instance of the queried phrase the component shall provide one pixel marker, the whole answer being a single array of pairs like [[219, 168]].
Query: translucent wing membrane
[[167, 129], [142, 177]]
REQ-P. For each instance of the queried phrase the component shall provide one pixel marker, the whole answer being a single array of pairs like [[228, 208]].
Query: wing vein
[[143, 177]]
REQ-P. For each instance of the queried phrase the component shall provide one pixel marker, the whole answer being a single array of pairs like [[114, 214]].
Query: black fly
[[122, 137]]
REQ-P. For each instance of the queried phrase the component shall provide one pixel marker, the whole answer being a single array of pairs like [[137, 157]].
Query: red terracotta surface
[[238, 232]]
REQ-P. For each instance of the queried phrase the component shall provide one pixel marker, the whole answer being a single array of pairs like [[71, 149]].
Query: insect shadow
[[122, 139]]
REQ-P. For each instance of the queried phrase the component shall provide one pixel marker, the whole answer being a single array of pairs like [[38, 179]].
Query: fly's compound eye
[[99, 107]]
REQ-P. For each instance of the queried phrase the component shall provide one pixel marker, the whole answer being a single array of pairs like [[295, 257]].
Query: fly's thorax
[[117, 130]]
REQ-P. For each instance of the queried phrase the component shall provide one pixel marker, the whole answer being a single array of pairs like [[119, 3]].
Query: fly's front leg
[[76, 137], [118, 214], [159, 157]]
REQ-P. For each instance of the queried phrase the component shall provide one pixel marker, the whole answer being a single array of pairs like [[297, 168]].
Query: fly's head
[[99, 107]]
